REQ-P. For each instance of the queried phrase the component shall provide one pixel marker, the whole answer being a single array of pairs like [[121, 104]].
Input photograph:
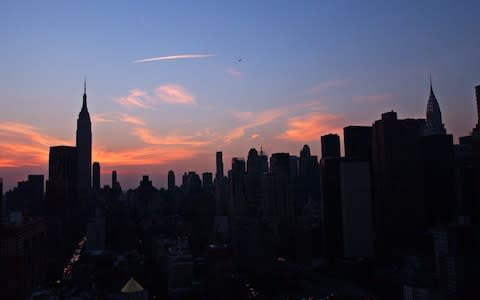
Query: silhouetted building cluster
[[396, 217]]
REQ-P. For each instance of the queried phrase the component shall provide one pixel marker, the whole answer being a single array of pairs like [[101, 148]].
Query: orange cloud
[[112, 117], [174, 94], [102, 118], [147, 137], [136, 98], [132, 120], [24, 145], [255, 120], [310, 127], [141, 156]]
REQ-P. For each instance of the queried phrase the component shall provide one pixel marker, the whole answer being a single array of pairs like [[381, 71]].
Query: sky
[[228, 76]]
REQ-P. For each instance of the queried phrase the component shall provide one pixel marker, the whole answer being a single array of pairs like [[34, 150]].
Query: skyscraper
[[434, 123], [237, 187], [114, 178], [277, 190], [358, 142], [308, 178], [96, 176], [84, 147], [476, 158], [263, 160], [476, 130], [330, 145], [219, 174], [2, 209], [356, 208], [207, 180], [62, 205], [115, 184], [253, 178], [171, 180], [62, 165], [331, 207], [438, 171], [398, 188]]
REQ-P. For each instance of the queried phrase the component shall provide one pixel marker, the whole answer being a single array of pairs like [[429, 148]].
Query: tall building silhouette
[[84, 147], [2, 209], [358, 142], [28, 196], [114, 178], [253, 178], [434, 123], [61, 204], [331, 207], [356, 207], [277, 190], [207, 180], [96, 175], [171, 180], [263, 160], [330, 145], [398, 188], [219, 161], [62, 165], [438, 173], [476, 159], [308, 178], [476, 130], [237, 187]]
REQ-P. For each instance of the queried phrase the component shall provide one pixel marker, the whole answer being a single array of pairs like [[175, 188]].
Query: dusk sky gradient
[[307, 68]]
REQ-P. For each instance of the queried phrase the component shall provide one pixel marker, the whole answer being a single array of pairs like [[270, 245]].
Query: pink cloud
[[175, 94], [132, 120], [136, 98], [141, 156], [311, 126], [25, 145], [102, 118], [234, 72], [148, 137], [321, 87], [254, 120]]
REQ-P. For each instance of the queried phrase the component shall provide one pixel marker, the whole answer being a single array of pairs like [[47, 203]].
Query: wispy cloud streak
[[136, 98], [149, 138], [173, 57], [174, 94]]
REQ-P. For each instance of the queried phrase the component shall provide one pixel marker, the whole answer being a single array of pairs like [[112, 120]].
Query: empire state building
[[84, 147]]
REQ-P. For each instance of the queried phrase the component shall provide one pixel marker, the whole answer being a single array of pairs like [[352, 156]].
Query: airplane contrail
[[173, 57]]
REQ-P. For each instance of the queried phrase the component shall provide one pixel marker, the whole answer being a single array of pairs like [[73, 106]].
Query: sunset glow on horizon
[[222, 77]]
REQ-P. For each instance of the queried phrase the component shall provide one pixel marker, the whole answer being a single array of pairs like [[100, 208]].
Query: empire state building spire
[[84, 104], [84, 146], [434, 123]]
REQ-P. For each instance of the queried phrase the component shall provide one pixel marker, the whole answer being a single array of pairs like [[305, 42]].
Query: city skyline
[[312, 71]]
